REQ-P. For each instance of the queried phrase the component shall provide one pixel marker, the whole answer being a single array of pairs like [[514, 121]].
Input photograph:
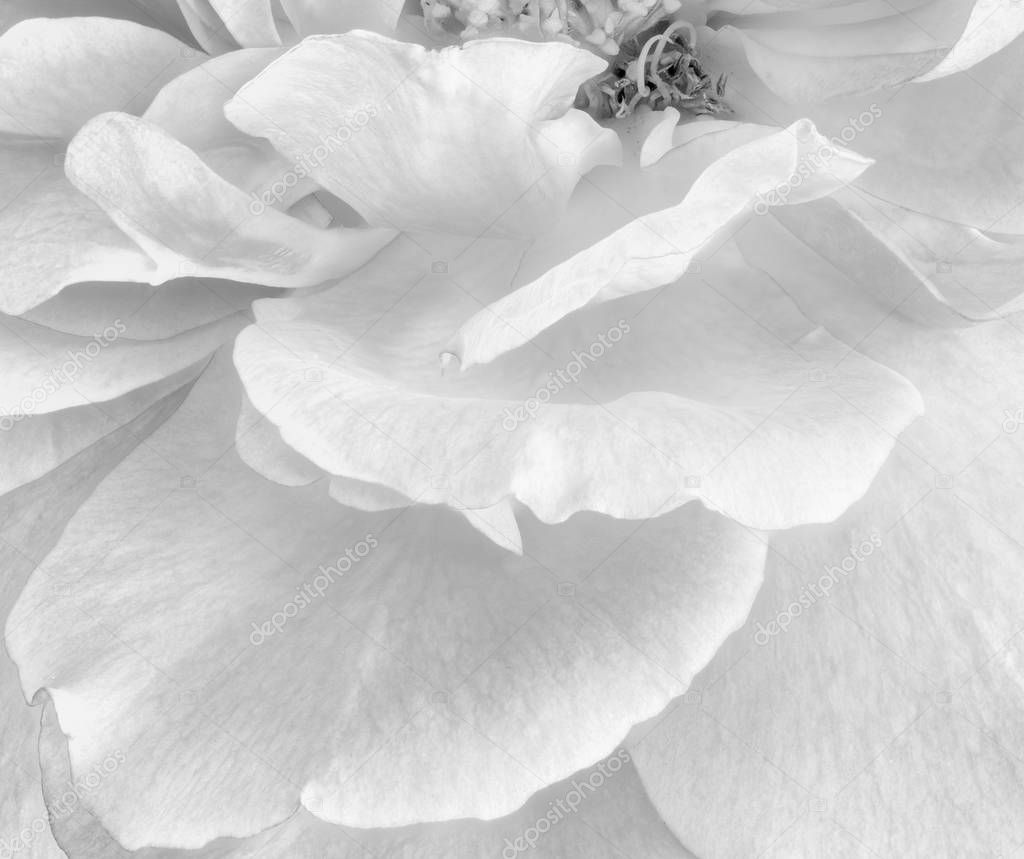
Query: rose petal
[[608, 821], [810, 65], [52, 236], [827, 58], [977, 276], [768, 426], [992, 26], [47, 371], [56, 74], [406, 717], [891, 705], [657, 249], [948, 148], [192, 222], [191, 107], [37, 444], [207, 27], [260, 447], [148, 312], [33, 517], [251, 23], [385, 126], [339, 16], [160, 14]]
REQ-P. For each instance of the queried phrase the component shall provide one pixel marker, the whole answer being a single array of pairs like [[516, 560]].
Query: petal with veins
[[977, 276], [260, 447], [656, 249], [33, 517], [37, 444], [776, 437], [191, 107], [192, 222], [402, 716], [612, 821], [385, 125], [47, 371], [892, 702], [159, 14], [148, 312], [992, 26], [56, 74], [949, 148], [52, 236]]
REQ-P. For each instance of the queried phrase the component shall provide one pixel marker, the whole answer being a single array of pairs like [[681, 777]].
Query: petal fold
[[792, 166], [193, 222], [471, 139], [406, 717]]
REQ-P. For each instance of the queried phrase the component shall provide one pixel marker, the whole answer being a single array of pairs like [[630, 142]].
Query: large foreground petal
[[451, 678]]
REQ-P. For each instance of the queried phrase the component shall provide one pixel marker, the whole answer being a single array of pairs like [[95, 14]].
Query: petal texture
[[656, 249], [226, 723], [51, 235], [671, 408], [192, 222], [467, 139], [871, 702], [56, 74], [33, 517]]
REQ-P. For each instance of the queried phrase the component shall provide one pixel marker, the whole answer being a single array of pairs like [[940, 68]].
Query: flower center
[[659, 69], [653, 60]]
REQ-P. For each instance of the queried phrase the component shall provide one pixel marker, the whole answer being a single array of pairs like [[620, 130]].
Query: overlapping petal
[[179, 640], [367, 704], [657, 248], [948, 148], [51, 235], [225, 25], [976, 275], [55, 74], [159, 14], [433, 140], [36, 444], [822, 59], [873, 695], [193, 222], [48, 371], [341, 365], [569, 820], [33, 517]]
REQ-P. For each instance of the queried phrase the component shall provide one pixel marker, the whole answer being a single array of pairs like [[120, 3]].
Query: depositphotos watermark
[[64, 806], [811, 593], [309, 162], [306, 593], [559, 380], [559, 809], [62, 375], [815, 161]]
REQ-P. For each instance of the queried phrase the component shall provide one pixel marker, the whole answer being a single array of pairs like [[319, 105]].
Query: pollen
[[653, 57], [658, 69], [602, 24]]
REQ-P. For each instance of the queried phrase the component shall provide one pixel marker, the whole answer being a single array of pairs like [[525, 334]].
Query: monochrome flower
[[491, 394]]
